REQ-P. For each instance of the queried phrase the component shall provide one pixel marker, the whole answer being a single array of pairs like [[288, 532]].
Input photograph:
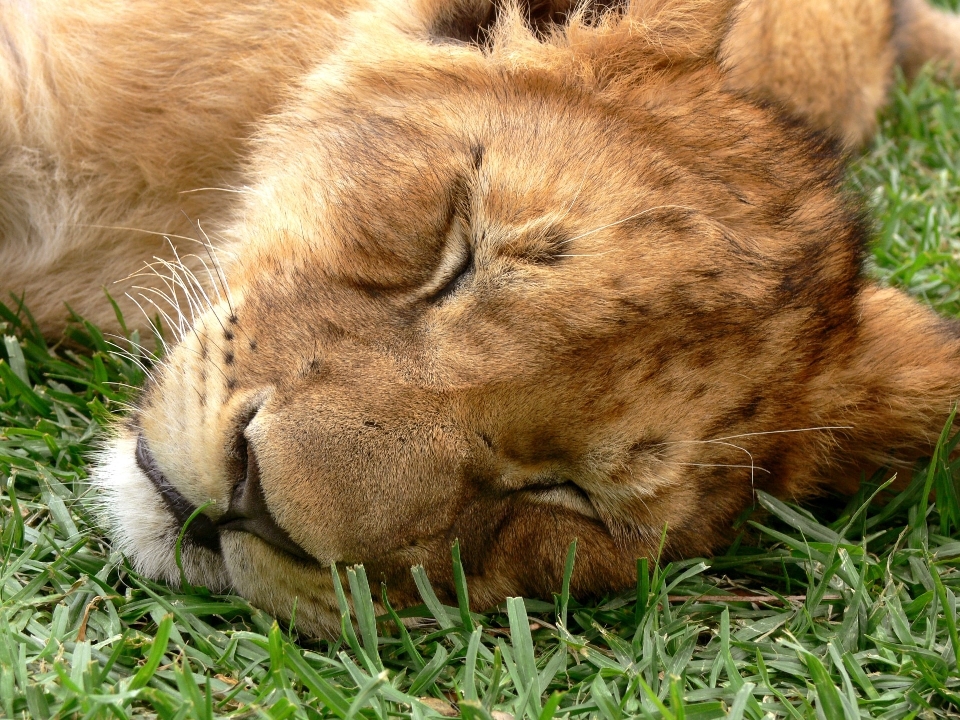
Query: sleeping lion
[[508, 273]]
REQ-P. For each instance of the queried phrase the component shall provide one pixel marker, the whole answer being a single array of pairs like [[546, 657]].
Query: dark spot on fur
[[550, 248], [708, 274], [231, 384], [633, 308], [749, 408], [227, 335], [253, 345], [950, 327], [704, 357], [228, 358], [372, 424], [477, 151], [485, 439], [743, 411], [233, 319], [646, 446]]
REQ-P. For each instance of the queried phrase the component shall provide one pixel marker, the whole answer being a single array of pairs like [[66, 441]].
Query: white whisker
[[214, 189], [156, 330], [172, 302], [124, 353], [177, 329], [714, 465], [605, 252], [141, 230], [795, 430], [193, 278], [174, 269], [626, 219], [212, 252]]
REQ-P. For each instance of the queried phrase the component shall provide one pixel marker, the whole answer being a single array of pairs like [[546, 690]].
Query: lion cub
[[508, 273]]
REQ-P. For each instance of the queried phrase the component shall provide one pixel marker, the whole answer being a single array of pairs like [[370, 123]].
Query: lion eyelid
[[456, 262], [450, 277], [567, 495]]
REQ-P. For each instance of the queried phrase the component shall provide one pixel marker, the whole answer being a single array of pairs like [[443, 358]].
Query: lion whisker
[[177, 329], [175, 269], [172, 281], [140, 230], [238, 191], [626, 219], [182, 324], [213, 283], [194, 281], [715, 465], [135, 345], [752, 466], [156, 331], [124, 353], [215, 259], [717, 441], [208, 246], [128, 407], [210, 306], [794, 430], [570, 255]]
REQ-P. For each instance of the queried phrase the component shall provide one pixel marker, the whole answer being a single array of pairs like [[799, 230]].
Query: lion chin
[[504, 273]]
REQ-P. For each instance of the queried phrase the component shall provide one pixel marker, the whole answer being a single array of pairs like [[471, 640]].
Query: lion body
[[462, 271]]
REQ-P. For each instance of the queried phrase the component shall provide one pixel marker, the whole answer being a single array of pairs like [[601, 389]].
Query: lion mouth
[[247, 512]]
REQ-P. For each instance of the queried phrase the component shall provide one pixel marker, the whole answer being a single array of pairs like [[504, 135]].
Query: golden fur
[[508, 274]]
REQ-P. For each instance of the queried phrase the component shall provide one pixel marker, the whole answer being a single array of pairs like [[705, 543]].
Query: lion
[[507, 273]]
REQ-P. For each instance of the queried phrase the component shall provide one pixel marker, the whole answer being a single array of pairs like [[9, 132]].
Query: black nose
[[248, 511], [201, 531]]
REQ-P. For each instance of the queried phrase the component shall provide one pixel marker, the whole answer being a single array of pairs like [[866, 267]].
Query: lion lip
[[201, 529], [248, 511]]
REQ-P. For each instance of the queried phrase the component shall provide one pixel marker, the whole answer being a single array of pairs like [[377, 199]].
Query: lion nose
[[248, 511]]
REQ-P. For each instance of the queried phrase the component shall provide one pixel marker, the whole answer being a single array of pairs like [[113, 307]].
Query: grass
[[853, 610]]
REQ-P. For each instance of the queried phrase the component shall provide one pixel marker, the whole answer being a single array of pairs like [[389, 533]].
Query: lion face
[[548, 289]]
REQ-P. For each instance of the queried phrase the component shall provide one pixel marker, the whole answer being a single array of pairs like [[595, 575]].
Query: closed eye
[[567, 494], [456, 265]]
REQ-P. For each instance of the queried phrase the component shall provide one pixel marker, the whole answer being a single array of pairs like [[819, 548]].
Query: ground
[[852, 609]]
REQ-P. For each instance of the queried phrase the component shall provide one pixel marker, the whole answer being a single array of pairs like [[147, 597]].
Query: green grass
[[854, 611]]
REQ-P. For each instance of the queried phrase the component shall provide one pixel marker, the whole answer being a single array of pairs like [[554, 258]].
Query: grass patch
[[838, 610]]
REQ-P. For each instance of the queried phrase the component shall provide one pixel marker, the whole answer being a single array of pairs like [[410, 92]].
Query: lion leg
[[925, 34], [828, 62]]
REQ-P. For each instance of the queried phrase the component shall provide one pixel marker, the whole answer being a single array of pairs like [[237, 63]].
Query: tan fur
[[828, 61], [503, 274]]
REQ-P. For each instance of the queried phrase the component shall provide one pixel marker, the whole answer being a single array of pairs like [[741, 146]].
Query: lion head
[[514, 281]]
